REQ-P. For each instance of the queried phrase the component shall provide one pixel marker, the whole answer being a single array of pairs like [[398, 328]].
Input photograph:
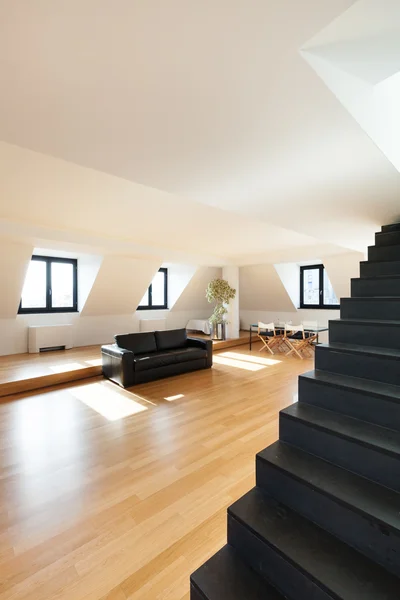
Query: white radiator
[[42, 337], [152, 324]]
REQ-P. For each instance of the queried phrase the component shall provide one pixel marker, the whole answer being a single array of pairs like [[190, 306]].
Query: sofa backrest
[[170, 339], [139, 343]]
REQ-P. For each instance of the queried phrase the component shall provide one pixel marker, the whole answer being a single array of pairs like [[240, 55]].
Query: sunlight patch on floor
[[66, 367], [172, 398], [238, 364], [96, 362], [109, 401], [260, 360]]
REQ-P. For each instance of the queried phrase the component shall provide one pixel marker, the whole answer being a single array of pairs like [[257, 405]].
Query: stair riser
[[375, 288], [195, 594], [376, 253], [380, 336], [361, 532], [270, 565], [376, 309], [354, 365], [391, 227], [382, 269], [355, 404], [387, 238], [366, 461]]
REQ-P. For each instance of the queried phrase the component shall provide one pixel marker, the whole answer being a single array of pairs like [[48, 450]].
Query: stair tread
[[356, 349], [365, 496], [373, 277], [380, 438], [369, 298], [356, 321], [332, 564], [225, 576], [364, 385]]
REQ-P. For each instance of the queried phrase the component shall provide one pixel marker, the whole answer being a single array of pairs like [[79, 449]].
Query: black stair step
[[361, 513], [365, 332], [391, 227], [383, 253], [379, 269], [387, 238], [299, 558], [226, 577], [371, 401], [376, 287], [370, 308], [365, 362], [368, 450]]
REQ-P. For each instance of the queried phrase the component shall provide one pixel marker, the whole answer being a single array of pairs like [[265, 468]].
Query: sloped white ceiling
[[358, 57], [193, 296], [75, 203], [210, 102], [262, 289], [119, 286], [14, 262], [341, 269]]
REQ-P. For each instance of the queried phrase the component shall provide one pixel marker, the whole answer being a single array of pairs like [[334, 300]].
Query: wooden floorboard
[[26, 372], [127, 505]]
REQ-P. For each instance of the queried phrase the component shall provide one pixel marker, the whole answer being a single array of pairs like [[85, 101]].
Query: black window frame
[[150, 305], [50, 309], [321, 305]]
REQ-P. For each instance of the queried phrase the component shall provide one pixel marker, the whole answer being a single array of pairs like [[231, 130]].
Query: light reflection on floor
[[96, 362], [108, 400], [238, 364], [260, 360], [172, 398], [64, 368]]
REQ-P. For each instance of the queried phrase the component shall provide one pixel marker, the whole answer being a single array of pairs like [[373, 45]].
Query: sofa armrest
[[205, 344], [118, 364]]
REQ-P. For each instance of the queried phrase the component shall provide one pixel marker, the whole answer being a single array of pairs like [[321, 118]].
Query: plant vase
[[218, 331]]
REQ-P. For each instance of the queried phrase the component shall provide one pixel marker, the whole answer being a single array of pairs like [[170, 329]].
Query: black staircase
[[323, 521]]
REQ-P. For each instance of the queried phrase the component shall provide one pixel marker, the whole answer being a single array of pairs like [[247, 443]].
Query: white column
[[231, 275]]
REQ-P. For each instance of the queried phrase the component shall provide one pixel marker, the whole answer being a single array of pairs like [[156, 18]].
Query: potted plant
[[219, 291]]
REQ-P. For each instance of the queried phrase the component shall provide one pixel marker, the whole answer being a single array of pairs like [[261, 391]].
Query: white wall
[[341, 269], [109, 289], [289, 274], [267, 297], [119, 285], [261, 288], [178, 279], [193, 298], [14, 261]]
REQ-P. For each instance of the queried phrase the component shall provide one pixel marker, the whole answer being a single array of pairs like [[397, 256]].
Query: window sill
[[152, 308], [319, 307], [35, 311]]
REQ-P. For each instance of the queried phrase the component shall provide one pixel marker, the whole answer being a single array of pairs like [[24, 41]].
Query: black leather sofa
[[142, 357]]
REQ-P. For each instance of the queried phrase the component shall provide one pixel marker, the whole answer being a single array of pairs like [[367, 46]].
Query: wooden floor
[[27, 372], [16, 367], [109, 494]]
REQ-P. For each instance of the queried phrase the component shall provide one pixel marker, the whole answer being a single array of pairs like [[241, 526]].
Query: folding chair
[[295, 339], [311, 334], [267, 334]]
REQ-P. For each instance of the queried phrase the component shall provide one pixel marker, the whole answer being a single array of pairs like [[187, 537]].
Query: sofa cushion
[[172, 338], [138, 343], [168, 357]]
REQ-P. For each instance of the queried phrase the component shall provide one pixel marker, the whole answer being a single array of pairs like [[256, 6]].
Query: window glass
[[311, 291], [62, 285], [50, 285], [158, 286]]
